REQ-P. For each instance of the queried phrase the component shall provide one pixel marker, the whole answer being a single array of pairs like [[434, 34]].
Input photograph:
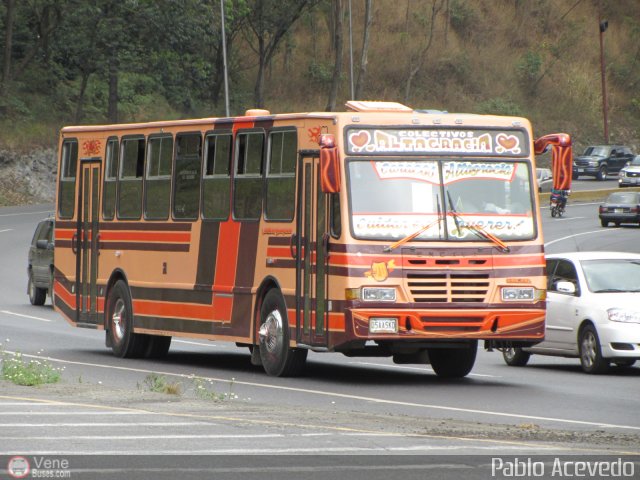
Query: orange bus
[[378, 231]]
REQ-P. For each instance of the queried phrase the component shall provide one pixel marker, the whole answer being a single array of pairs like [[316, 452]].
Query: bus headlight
[[371, 294], [518, 294]]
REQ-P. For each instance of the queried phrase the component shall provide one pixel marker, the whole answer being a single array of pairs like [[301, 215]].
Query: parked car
[[620, 207], [593, 311], [40, 268], [629, 176], [601, 160], [544, 178]]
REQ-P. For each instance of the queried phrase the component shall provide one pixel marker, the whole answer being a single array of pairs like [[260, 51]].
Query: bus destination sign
[[437, 141]]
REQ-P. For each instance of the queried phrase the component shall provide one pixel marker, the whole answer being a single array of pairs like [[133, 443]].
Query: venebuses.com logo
[[38, 467]]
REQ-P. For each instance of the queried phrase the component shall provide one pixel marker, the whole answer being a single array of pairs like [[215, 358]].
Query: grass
[[206, 392], [158, 383], [20, 371]]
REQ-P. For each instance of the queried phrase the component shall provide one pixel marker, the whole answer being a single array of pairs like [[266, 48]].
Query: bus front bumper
[[481, 324]]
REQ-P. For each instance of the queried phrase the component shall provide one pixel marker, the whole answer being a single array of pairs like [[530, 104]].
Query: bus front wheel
[[453, 362], [278, 358], [123, 341]]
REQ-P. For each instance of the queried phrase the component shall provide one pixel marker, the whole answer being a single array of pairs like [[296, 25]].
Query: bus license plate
[[383, 325]]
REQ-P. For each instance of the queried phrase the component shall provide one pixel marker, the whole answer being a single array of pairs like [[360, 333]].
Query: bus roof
[[356, 112]]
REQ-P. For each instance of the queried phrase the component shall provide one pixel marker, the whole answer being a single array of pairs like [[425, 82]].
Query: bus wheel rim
[[118, 320], [271, 332]]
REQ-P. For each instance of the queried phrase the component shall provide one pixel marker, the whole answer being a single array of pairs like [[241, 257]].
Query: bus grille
[[447, 287]]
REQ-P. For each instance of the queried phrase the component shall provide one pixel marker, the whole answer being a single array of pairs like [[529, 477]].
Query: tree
[[338, 14], [269, 21], [416, 63], [6, 60], [362, 72]]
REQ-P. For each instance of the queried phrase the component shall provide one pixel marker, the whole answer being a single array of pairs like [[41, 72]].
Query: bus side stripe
[[209, 234]]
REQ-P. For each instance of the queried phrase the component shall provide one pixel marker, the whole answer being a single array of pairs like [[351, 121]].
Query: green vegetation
[[30, 373], [103, 61], [159, 384], [204, 390]]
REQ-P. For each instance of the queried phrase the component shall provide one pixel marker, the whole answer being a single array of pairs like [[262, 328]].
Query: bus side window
[[68, 168], [157, 180], [216, 182], [110, 179], [186, 192], [280, 198], [247, 192], [130, 178]]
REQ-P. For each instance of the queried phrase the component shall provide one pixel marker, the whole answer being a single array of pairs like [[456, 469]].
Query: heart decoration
[[359, 140], [508, 142]]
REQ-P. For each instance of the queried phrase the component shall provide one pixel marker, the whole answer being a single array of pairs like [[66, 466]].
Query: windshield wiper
[[613, 290], [478, 230], [418, 232]]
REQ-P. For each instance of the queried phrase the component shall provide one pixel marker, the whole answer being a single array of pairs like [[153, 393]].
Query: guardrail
[[590, 195]]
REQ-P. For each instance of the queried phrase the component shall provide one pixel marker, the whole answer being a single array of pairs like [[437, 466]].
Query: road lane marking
[[114, 424], [29, 414], [6, 230], [322, 393], [7, 312], [47, 212], [577, 235], [500, 444], [279, 451]]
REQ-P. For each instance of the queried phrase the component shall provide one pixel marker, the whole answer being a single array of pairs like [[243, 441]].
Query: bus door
[[312, 236], [87, 242]]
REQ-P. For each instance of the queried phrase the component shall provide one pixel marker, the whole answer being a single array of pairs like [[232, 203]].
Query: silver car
[[593, 311], [629, 176], [544, 178]]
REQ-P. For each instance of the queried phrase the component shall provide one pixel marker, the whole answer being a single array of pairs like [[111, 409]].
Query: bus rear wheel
[[278, 359], [453, 362], [123, 341]]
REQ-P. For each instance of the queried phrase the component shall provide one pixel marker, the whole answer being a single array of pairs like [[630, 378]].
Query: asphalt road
[[340, 406]]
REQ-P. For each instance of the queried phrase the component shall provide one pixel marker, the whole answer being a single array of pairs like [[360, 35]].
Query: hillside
[[535, 58]]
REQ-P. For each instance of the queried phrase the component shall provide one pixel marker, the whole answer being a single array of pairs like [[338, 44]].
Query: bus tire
[[278, 359], [515, 356], [124, 343], [453, 362], [37, 296], [157, 346]]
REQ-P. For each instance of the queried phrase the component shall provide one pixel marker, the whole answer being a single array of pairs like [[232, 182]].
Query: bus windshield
[[391, 199]]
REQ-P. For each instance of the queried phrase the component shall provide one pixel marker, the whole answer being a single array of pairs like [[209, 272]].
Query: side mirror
[[566, 287], [329, 165], [42, 244]]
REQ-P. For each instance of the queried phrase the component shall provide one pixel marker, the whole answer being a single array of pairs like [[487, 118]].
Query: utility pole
[[604, 24], [224, 60]]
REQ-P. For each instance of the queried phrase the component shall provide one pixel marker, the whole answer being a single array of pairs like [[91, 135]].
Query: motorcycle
[[558, 202]]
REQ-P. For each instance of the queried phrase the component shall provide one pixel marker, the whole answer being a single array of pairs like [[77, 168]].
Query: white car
[[593, 311]]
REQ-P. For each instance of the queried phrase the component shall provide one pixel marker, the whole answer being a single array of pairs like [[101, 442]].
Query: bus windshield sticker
[[441, 141], [454, 171], [424, 171]]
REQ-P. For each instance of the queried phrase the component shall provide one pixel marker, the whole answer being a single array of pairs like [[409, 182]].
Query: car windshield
[[612, 275], [598, 151], [391, 199], [630, 198], [635, 161]]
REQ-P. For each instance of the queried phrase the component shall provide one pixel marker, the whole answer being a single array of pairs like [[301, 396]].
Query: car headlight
[[623, 315], [521, 294], [371, 294], [593, 163]]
